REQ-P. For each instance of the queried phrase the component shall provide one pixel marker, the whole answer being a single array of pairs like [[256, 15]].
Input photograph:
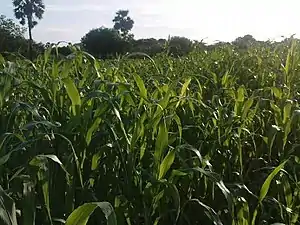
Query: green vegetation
[[104, 43], [123, 24], [12, 39], [120, 131], [209, 138]]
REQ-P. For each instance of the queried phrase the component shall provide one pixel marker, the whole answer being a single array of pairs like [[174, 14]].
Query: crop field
[[210, 138]]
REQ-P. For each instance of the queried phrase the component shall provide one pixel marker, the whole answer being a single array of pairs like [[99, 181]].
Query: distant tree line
[[12, 39], [101, 42]]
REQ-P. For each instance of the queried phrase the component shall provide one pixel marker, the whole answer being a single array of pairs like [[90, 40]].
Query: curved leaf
[[166, 164], [81, 215], [265, 187]]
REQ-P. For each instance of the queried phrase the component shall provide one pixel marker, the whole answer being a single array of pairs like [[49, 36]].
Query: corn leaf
[[81, 215]]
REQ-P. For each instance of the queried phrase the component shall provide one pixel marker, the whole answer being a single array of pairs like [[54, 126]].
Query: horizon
[[211, 21]]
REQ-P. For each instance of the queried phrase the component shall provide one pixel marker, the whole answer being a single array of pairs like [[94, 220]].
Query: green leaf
[[243, 215], [246, 107], [287, 111], [265, 187], [210, 213], [117, 113], [179, 125], [81, 215], [142, 151], [75, 157], [43, 174], [176, 173], [141, 86], [161, 142], [44, 179], [166, 164], [72, 93], [277, 112], [91, 130], [39, 159], [6, 137], [271, 137], [276, 92], [163, 103], [287, 131], [240, 94], [225, 79], [157, 198], [214, 177], [185, 86], [287, 193], [228, 196], [4, 159], [7, 209], [95, 160]]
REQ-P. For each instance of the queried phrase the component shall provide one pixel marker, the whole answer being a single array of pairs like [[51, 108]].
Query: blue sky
[[69, 20]]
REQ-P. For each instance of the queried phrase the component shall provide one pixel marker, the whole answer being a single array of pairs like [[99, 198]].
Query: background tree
[[103, 42], [123, 24], [150, 46], [12, 39], [199, 45], [244, 42], [180, 46], [11, 35], [28, 11], [9, 26]]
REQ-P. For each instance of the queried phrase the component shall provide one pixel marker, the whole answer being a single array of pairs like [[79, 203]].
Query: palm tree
[[28, 11]]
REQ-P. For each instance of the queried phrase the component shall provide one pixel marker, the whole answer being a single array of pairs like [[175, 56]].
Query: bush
[[180, 46], [104, 42]]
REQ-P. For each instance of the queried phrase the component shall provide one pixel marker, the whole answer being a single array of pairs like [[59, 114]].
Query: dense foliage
[[180, 46], [123, 24], [103, 43], [211, 138], [11, 35], [12, 39]]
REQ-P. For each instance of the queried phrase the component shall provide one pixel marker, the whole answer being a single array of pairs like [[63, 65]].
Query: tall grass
[[212, 138]]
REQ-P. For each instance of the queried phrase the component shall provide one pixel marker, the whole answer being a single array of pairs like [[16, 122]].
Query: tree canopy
[[103, 42], [179, 46], [245, 41], [123, 23], [11, 36]]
